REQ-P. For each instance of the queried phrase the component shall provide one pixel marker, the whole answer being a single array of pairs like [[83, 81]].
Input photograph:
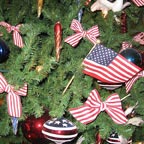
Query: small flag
[[108, 66]]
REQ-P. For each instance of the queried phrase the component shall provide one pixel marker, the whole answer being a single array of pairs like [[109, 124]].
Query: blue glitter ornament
[[133, 56], [4, 51]]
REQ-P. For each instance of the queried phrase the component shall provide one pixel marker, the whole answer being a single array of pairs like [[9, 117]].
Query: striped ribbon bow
[[139, 2], [90, 34], [130, 83], [139, 38], [13, 97], [93, 106], [16, 36]]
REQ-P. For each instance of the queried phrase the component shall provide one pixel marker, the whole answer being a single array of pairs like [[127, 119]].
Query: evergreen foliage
[[45, 87]]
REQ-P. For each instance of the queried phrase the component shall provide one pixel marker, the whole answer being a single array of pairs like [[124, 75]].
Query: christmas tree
[[45, 48]]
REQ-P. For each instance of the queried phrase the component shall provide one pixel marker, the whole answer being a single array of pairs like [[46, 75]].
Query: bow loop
[[76, 26], [16, 36], [90, 34], [93, 106]]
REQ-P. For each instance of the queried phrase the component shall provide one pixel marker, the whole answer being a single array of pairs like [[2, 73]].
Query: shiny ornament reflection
[[4, 51]]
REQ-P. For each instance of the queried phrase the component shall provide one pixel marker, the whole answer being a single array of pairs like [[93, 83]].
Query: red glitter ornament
[[99, 140], [123, 22], [32, 128], [58, 39]]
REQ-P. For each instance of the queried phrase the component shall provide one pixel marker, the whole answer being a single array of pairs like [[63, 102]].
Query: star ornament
[[105, 6], [59, 130]]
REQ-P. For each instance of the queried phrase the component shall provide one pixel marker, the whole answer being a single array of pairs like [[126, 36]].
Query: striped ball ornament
[[114, 138], [59, 130]]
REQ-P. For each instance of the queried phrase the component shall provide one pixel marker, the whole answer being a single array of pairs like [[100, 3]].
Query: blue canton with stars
[[59, 122], [101, 55]]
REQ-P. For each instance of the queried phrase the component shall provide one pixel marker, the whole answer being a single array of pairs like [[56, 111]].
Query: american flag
[[139, 2], [108, 66], [59, 130]]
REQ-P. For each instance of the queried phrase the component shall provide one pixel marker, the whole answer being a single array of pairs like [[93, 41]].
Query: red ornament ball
[[59, 130], [32, 128]]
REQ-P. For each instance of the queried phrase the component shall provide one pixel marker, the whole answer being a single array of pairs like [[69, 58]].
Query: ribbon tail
[[14, 121], [3, 81], [22, 91], [130, 83], [17, 39], [74, 39], [76, 26]]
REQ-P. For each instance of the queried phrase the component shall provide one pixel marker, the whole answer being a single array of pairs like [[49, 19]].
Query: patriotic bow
[[16, 36], [93, 106], [130, 83], [13, 100], [90, 34], [139, 38], [139, 2]]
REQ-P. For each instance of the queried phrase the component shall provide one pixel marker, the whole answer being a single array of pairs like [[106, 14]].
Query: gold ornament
[[39, 8], [39, 68]]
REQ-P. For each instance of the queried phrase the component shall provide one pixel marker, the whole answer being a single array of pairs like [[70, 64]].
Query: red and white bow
[[16, 36], [90, 34], [139, 38], [13, 97], [139, 2], [93, 106], [130, 83]]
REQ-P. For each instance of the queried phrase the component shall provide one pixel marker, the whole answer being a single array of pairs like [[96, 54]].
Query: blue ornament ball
[[4, 51], [133, 56]]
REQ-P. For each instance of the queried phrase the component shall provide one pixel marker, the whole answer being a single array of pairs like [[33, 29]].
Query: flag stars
[[102, 55]]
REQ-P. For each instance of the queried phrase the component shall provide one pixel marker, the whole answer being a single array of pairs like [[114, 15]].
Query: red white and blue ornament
[[59, 130], [4, 51], [114, 138]]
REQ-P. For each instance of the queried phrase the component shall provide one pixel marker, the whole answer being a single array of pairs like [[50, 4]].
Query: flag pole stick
[[125, 97], [68, 84]]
